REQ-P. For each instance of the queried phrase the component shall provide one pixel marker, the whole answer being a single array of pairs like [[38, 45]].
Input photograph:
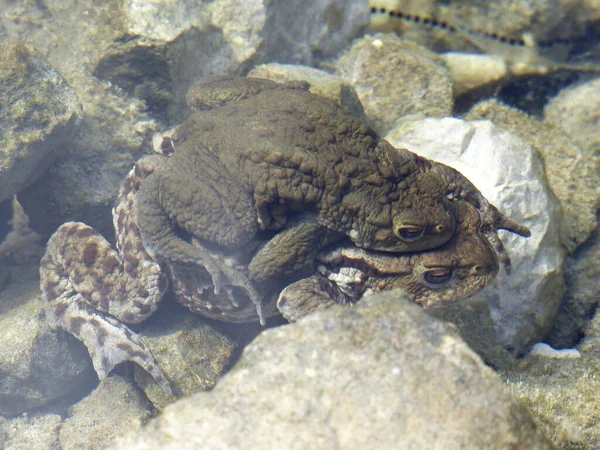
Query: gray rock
[[575, 111], [308, 32], [36, 432], [37, 364], [562, 396], [396, 80], [113, 408], [510, 175], [321, 83], [192, 354], [572, 175], [473, 321], [381, 374], [582, 297], [591, 341], [40, 111]]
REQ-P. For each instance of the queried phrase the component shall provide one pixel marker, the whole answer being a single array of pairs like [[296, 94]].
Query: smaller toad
[[434, 279]]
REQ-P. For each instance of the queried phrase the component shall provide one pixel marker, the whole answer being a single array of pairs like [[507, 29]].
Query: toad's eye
[[409, 233], [438, 277]]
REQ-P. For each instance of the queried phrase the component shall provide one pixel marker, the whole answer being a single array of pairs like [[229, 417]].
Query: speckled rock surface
[[523, 304], [113, 408], [30, 432], [396, 80], [575, 110], [572, 175], [562, 396], [582, 296], [474, 322], [379, 375], [40, 112], [192, 354], [37, 364]]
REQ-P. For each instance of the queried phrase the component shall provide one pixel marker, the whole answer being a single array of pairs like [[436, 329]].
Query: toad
[[255, 153], [93, 291], [456, 271]]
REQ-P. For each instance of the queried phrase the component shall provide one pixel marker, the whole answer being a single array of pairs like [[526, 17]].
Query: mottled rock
[[321, 83], [474, 322], [191, 353], [381, 374], [523, 304], [591, 341], [113, 408], [37, 364], [572, 175], [396, 80], [582, 297], [308, 32], [562, 396], [40, 112], [472, 72], [575, 111], [20, 246], [35, 432]]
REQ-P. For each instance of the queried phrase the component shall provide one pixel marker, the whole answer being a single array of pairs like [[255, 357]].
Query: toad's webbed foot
[[308, 295], [109, 342], [173, 251]]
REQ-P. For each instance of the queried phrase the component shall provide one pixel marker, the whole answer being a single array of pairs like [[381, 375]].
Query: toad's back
[[288, 146]]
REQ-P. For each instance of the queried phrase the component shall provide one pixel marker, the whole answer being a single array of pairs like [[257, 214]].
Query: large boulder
[[381, 374]]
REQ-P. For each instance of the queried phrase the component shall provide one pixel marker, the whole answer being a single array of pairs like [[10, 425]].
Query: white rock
[[541, 349], [510, 175]]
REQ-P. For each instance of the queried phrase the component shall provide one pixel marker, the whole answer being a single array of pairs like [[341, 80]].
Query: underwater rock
[[192, 354], [321, 83], [572, 175], [37, 365], [40, 112], [113, 408], [562, 396], [575, 110], [30, 431], [510, 175], [381, 374], [488, 27], [396, 80], [582, 296]]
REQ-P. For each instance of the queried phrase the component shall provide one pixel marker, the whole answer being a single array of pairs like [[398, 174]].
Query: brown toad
[[256, 152], [433, 279], [92, 291]]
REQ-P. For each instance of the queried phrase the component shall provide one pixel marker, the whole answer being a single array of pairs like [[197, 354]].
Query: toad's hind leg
[[213, 212], [90, 290]]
